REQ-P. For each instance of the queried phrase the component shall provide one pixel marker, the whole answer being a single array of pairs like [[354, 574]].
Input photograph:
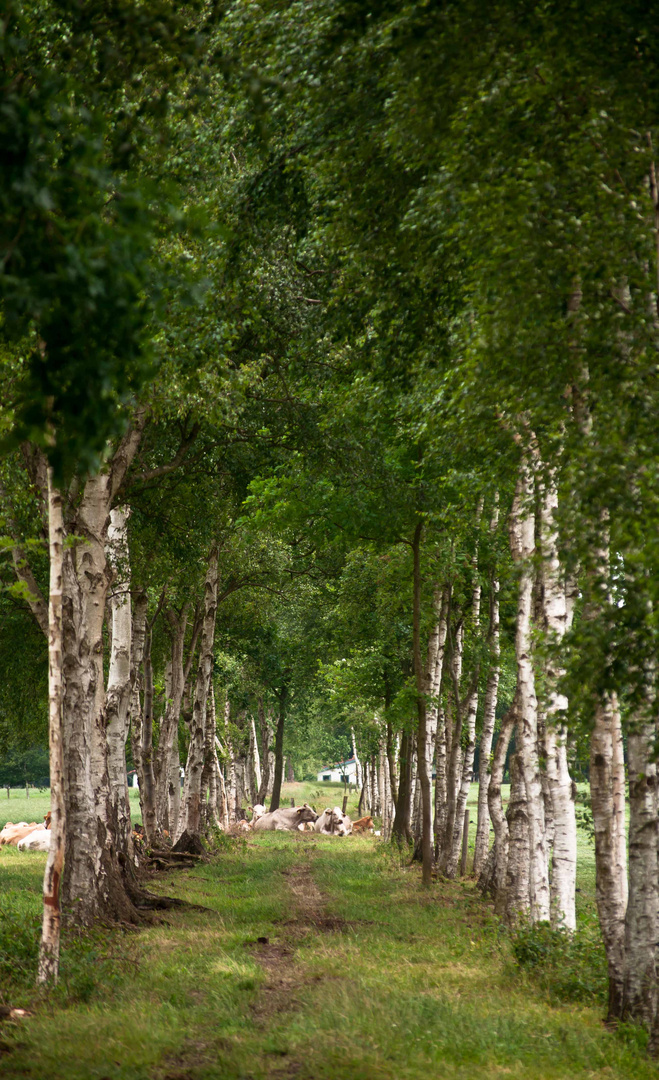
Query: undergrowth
[[566, 966]]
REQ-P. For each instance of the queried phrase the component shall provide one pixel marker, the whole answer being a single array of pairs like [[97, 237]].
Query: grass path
[[357, 974]]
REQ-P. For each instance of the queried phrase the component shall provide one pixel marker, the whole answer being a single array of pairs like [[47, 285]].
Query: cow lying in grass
[[286, 819], [14, 834], [333, 823], [37, 840], [363, 824]]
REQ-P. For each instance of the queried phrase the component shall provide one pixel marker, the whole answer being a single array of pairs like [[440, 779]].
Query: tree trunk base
[[190, 843], [486, 878]]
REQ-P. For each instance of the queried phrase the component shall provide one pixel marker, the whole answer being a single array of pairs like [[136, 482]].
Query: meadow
[[312, 958]]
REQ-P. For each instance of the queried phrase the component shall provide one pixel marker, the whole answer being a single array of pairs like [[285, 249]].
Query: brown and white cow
[[363, 824], [11, 833]]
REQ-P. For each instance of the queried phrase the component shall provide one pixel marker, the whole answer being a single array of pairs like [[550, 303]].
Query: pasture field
[[358, 974], [18, 808]]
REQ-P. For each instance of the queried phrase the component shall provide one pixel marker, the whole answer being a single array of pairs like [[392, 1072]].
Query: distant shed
[[342, 772]]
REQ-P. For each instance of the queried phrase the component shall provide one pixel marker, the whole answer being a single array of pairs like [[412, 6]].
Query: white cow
[[38, 840], [333, 823], [257, 811], [286, 819]]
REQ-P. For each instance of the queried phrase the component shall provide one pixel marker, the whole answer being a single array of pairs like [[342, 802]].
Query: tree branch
[[178, 459], [23, 570]]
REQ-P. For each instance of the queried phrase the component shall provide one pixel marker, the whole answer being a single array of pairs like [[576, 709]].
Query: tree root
[[170, 853], [146, 901]]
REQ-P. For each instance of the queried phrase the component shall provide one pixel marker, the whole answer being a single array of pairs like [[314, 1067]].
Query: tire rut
[[285, 985]]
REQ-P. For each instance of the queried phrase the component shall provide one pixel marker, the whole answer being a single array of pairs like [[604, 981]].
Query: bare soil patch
[[282, 989]]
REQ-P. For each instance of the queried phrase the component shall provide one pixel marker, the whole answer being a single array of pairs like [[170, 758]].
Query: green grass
[[395, 983], [18, 808]]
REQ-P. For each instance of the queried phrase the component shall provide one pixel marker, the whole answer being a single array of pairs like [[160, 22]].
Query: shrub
[[567, 966]]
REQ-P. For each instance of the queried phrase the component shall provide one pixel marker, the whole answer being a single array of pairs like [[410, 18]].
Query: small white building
[[341, 772]]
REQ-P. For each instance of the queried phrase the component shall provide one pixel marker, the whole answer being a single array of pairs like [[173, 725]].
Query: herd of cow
[[32, 837], [330, 823], [36, 837]]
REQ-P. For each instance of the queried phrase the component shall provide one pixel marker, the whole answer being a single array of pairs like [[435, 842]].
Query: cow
[[287, 818], [333, 823], [37, 840], [257, 811], [346, 823], [363, 824], [11, 833]]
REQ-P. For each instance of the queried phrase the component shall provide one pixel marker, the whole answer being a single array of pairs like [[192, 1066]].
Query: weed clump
[[567, 966]]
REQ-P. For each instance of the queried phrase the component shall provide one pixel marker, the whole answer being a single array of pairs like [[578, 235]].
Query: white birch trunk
[[453, 735], [518, 866], [211, 764], [148, 788], [266, 738], [642, 919], [256, 758], [564, 862], [470, 709], [440, 781], [433, 686], [380, 775], [522, 545], [232, 778], [168, 765], [92, 884], [499, 881], [119, 686], [358, 765], [607, 797], [190, 822], [489, 713], [48, 969], [271, 772], [138, 639]]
